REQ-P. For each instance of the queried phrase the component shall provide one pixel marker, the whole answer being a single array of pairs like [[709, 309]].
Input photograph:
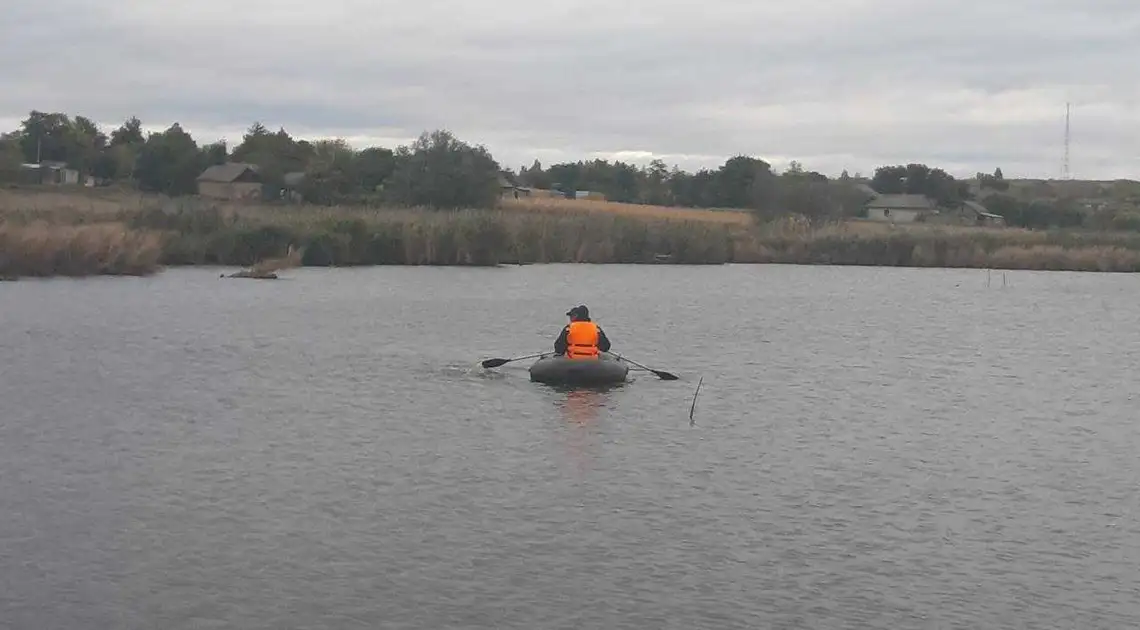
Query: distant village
[[235, 181]]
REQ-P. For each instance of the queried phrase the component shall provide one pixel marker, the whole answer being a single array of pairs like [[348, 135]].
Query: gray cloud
[[835, 84]]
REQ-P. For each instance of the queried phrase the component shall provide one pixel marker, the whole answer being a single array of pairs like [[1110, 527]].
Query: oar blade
[[665, 376], [494, 363]]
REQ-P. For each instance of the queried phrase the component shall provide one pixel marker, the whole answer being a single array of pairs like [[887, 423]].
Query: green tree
[[332, 173], [746, 182], [696, 190], [440, 171], [169, 162], [87, 143], [813, 195], [373, 167], [992, 182], [11, 157], [920, 179], [46, 137], [656, 189], [214, 153], [535, 176], [274, 153], [129, 133], [117, 159]]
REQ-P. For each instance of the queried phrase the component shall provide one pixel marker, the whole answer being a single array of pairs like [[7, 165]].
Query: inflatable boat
[[558, 370]]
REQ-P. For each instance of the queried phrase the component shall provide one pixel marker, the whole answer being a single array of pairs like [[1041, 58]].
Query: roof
[[226, 173], [48, 164], [902, 202], [981, 210]]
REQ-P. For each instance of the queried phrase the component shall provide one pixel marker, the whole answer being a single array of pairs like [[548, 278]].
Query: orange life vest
[[582, 340]]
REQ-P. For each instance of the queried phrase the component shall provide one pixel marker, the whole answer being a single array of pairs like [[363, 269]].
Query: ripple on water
[[880, 448]]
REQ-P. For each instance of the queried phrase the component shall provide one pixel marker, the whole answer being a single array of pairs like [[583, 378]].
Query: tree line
[[439, 170]]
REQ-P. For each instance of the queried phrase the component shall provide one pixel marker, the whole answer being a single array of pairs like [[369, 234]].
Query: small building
[[545, 193], [233, 180], [507, 188], [589, 194], [51, 173], [900, 208], [980, 215], [514, 192]]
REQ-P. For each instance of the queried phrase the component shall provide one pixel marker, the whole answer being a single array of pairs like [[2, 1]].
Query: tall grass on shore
[[43, 249], [57, 234], [875, 244], [367, 236]]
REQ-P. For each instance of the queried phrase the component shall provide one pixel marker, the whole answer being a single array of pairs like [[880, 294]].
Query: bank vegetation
[[76, 200], [52, 233]]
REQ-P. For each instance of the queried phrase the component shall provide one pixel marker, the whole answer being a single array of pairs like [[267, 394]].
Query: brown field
[[108, 202], [586, 206], [93, 202]]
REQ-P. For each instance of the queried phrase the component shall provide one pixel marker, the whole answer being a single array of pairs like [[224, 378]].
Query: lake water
[[872, 448]]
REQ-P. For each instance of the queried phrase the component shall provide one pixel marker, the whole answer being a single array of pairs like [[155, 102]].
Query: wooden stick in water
[[694, 406]]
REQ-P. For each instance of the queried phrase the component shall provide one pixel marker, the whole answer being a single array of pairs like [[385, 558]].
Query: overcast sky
[[966, 85]]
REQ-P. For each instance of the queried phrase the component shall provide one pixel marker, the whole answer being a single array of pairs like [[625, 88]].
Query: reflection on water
[[582, 406]]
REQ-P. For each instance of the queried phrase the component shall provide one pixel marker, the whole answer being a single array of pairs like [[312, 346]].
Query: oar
[[661, 374], [494, 363]]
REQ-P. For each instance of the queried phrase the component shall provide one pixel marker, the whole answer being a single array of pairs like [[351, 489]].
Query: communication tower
[[1065, 173]]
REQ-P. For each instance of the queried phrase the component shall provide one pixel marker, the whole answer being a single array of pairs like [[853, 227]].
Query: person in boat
[[581, 338]]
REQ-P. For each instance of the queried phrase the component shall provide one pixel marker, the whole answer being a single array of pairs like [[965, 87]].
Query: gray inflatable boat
[[558, 370]]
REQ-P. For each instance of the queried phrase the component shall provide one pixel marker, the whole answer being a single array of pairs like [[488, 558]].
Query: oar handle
[[489, 363], [662, 374]]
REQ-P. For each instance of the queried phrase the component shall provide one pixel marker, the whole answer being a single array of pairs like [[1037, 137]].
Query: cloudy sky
[[966, 85]]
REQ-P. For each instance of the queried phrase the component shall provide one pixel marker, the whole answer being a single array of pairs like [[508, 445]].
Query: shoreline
[[225, 269], [57, 234]]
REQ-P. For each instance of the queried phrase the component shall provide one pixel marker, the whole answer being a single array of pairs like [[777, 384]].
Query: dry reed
[[59, 234], [42, 249], [868, 243]]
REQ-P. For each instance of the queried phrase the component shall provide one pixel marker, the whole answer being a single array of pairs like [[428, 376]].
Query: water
[[873, 448]]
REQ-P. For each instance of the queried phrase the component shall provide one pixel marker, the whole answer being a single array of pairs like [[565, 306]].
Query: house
[[52, 173], [900, 208], [545, 193], [980, 215], [588, 194], [511, 190], [514, 192], [233, 180]]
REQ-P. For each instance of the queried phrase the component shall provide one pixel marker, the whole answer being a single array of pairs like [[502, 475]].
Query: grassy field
[[582, 206], [52, 232]]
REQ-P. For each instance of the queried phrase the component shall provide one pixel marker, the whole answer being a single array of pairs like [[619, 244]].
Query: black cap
[[579, 311]]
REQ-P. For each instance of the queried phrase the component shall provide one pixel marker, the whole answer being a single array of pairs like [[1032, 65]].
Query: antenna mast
[[1065, 174]]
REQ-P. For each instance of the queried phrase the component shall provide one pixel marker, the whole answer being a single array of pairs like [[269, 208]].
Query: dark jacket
[[560, 342]]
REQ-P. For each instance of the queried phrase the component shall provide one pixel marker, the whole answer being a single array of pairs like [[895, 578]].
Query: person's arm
[[560, 342], [603, 340]]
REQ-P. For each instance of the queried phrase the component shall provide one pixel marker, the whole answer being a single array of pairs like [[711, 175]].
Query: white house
[[900, 208]]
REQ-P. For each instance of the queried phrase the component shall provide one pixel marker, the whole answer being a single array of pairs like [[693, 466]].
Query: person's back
[[581, 338]]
